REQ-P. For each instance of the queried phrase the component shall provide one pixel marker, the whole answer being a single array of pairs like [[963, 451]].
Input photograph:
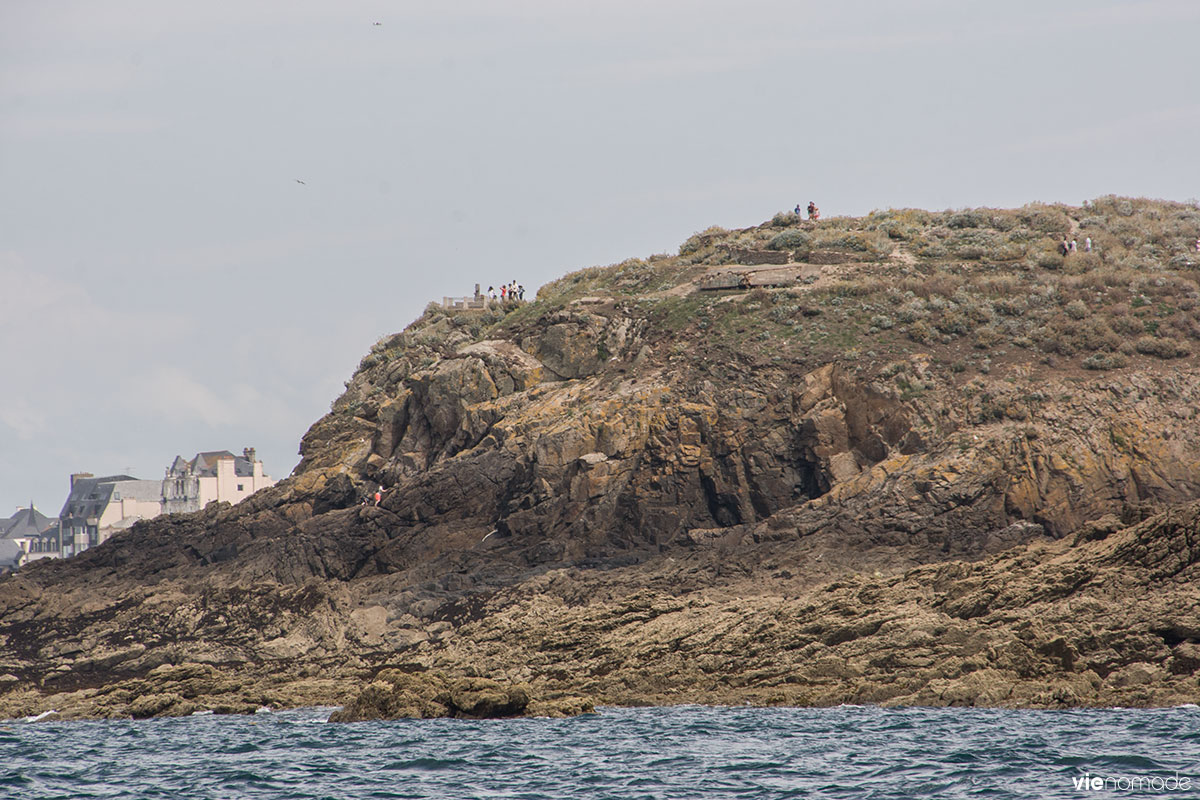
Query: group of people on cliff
[[508, 291], [814, 213]]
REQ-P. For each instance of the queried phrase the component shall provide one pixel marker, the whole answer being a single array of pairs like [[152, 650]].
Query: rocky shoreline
[[1105, 618], [639, 490]]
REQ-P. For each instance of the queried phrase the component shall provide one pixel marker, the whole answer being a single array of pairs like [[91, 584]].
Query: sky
[[168, 285]]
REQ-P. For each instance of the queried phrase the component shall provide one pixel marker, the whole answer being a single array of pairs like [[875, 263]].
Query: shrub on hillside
[[988, 337], [874, 244], [895, 229], [953, 323], [1046, 219], [1126, 324], [1164, 347], [790, 240], [1079, 263], [920, 332], [911, 311], [705, 238], [1048, 259], [1077, 309], [1101, 361], [1010, 306], [967, 219]]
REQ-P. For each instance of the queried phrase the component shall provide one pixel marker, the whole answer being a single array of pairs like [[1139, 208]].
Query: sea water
[[677, 752]]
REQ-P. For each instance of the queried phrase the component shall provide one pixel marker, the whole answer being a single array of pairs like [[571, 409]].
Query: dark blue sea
[[680, 752]]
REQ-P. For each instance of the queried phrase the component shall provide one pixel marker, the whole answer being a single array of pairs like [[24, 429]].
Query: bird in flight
[[377, 24], [302, 183]]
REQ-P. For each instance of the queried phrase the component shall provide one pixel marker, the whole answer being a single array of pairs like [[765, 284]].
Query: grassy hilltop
[[972, 286]]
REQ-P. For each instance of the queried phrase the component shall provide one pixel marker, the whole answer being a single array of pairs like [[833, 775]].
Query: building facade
[[97, 508], [26, 536], [214, 476]]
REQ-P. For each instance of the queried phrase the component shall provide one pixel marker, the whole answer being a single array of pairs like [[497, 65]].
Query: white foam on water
[[39, 717]]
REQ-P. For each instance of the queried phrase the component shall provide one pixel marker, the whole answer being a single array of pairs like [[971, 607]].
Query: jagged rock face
[[491, 438], [572, 469]]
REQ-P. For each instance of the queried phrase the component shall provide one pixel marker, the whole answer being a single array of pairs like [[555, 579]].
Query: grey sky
[[166, 285]]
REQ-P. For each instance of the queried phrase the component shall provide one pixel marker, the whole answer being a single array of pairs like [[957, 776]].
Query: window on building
[[240, 489]]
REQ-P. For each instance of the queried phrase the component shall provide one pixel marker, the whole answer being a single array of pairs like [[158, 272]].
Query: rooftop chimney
[[78, 476], [249, 453]]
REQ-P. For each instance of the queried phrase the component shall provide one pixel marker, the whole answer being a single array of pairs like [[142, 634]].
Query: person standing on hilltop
[[813, 211], [798, 212]]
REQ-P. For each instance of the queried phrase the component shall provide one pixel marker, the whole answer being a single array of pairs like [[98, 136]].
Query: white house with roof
[[214, 476]]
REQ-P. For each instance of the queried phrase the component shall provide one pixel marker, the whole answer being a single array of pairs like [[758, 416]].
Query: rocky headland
[[909, 458]]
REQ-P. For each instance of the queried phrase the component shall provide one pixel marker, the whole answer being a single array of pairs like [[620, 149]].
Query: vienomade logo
[[1132, 783]]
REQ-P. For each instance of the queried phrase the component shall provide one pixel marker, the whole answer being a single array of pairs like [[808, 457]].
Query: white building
[[97, 508], [217, 475]]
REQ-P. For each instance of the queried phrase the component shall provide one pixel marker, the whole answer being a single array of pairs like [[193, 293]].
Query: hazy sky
[[167, 286]]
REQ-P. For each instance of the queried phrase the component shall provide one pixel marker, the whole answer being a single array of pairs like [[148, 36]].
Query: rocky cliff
[[906, 458]]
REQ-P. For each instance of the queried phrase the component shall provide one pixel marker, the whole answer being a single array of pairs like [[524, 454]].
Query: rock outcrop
[[395, 694], [903, 481]]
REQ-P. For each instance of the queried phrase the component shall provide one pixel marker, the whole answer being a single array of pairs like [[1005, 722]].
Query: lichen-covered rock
[[395, 694]]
